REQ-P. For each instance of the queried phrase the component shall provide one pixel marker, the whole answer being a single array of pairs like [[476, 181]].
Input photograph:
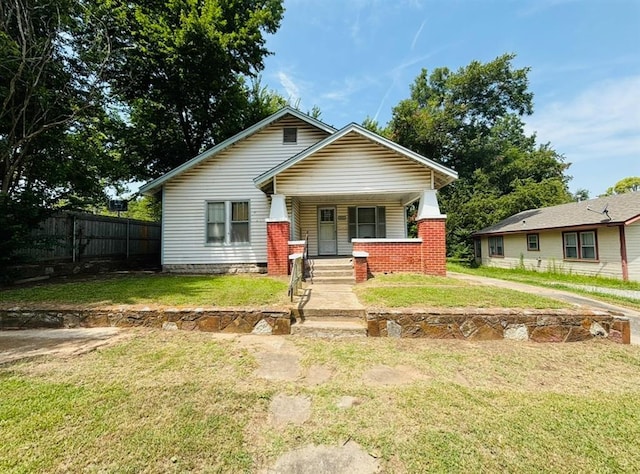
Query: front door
[[327, 238]]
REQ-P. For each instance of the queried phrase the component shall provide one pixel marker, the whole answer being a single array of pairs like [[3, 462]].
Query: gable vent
[[289, 135]]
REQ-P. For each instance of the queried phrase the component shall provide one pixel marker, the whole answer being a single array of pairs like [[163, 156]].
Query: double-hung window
[[367, 222], [228, 222], [496, 246], [533, 242], [580, 245]]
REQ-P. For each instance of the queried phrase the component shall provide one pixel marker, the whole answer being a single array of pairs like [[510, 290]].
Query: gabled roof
[[449, 174], [610, 210], [151, 185]]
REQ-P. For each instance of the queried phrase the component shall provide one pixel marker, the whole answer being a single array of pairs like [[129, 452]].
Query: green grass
[[558, 280], [172, 290], [189, 402], [415, 291]]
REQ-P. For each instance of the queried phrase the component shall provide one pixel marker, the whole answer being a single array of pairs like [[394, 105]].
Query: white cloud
[[417, 35], [291, 88], [601, 122]]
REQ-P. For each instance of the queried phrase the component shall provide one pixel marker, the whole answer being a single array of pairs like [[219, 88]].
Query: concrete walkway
[[329, 296], [572, 298]]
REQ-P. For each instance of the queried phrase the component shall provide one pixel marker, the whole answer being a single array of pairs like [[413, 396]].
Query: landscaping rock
[[347, 402], [263, 327], [517, 332], [393, 329], [350, 458], [278, 366], [286, 409], [168, 326]]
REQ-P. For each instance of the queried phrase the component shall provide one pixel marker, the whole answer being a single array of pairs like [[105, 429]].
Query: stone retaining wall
[[490, 324], [211, 320]]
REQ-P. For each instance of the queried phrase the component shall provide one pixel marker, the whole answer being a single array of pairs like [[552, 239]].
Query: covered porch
[[369, 229], [347, 196]]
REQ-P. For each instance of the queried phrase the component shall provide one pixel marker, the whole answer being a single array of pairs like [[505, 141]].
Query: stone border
[[491, 324], [257, 321]]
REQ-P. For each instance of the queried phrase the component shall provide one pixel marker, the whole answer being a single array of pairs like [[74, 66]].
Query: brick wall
[[404, 256], [278, 248], [434, 246]]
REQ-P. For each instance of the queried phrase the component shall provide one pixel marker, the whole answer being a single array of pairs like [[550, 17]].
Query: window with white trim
[[533, 242], [496, 246], [580, 245], [228, 222], [367, 222]]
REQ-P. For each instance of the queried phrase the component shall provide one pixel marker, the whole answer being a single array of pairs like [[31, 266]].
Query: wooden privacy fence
[[74, 236]]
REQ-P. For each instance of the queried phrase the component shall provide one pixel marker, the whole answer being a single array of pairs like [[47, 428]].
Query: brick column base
[[361, 269], [278, 248], [434, 245]]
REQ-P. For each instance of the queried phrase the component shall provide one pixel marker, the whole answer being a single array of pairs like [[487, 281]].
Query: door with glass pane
[[327, 238]]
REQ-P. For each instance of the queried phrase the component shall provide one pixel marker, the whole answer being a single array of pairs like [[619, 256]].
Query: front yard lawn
[[169, 290], [190, 402], [414, 291]]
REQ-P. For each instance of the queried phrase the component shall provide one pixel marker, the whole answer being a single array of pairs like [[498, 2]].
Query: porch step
[[332, 270], [328, 328]]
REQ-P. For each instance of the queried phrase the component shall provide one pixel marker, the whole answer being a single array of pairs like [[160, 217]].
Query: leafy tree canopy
[[179, 68], [472, 121], [625, 185]]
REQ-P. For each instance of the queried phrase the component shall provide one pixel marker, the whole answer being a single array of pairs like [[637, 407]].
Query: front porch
[[370, 230]]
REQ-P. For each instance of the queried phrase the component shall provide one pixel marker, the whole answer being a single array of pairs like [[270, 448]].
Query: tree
[[179, 70], [471, 121], [581, 194], [626, 185]]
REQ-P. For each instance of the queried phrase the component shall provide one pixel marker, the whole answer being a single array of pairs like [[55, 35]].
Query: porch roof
[[442, 174]]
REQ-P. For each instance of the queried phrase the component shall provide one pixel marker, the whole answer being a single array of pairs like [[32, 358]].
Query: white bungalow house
[[291, 180], [595, 237]]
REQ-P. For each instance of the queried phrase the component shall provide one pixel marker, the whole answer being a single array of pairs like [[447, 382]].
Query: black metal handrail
[[307, 264]]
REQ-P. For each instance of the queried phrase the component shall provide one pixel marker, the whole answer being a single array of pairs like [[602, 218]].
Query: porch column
[[278, 228], [431, 229]]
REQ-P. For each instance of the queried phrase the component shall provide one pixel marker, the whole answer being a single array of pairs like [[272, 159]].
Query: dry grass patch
[[185, 401]]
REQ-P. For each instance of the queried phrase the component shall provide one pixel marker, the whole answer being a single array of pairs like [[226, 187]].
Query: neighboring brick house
[[249, 202], [596, 237]]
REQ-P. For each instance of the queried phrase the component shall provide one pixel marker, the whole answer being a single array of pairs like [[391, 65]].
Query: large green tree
[[180, 70], [472, 121], [629, 184]]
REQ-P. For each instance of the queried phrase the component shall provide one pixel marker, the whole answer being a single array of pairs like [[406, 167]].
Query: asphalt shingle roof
[[619, 208]]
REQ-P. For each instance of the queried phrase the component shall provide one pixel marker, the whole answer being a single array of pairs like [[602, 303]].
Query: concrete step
[[328, 314], [337, 280], [323, 272], [330, 328]]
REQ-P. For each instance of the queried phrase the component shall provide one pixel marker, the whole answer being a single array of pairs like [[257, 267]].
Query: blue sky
[[357, 58]]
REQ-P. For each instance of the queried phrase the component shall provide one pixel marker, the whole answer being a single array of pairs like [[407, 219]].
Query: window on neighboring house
[[477, 244], [496, 246], [580, 245], [367, 222], [533, 242], [290, 135], [228, 222]]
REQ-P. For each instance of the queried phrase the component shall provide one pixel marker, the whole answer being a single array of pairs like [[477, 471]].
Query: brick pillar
[[278, 248], [434, 245], [360, 268]]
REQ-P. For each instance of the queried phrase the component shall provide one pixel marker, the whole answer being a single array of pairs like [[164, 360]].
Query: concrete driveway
[[24, 344], [571, 298]]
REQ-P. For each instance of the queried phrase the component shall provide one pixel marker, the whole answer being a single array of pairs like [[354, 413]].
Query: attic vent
[[290, 135]]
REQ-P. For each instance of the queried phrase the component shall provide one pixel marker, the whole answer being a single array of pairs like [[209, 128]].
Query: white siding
[[632, 234], [351, 165], [227, 176], [550, 256], [395, 221]]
